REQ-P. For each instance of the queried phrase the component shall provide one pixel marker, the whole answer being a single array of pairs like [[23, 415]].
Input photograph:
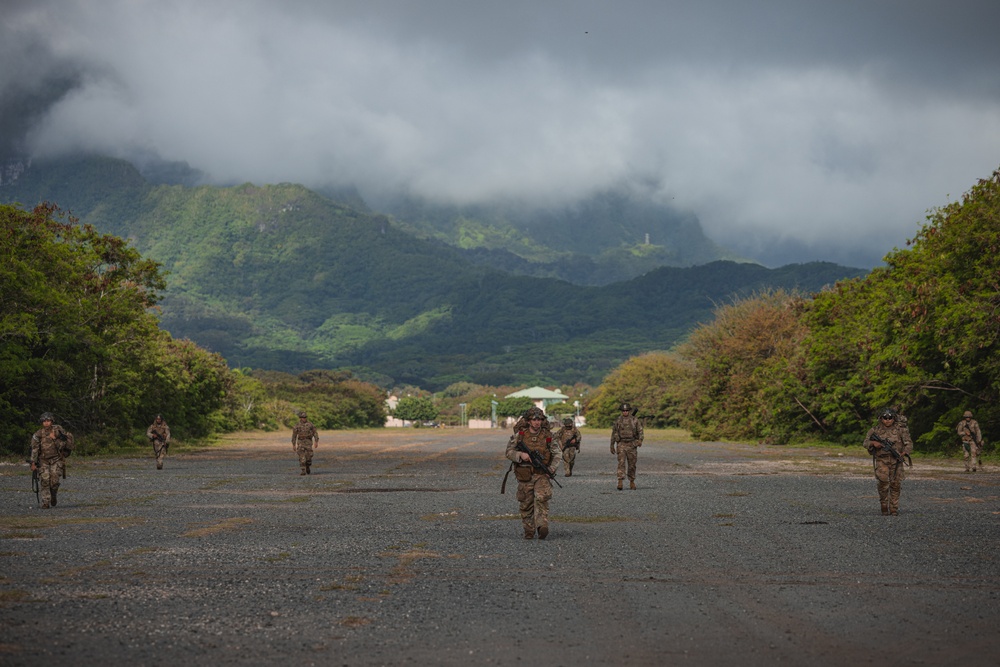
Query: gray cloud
[[793, 130]]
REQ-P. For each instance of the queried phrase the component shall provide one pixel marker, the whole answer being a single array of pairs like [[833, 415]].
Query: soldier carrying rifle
[[972, 441], [159, 436], [890, 445], [50, 445]]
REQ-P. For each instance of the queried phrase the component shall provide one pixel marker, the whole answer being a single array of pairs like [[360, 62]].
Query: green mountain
[[608, 237], [281, 277]]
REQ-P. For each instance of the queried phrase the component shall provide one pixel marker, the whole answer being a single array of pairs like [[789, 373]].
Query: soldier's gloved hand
[[613, 449], [640, 444]]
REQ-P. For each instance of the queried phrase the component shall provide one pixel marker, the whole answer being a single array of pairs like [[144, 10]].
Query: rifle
[[888, 446], [36, 485], [537, 463]]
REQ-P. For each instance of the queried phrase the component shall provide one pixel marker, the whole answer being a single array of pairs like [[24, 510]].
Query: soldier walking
[[50, 445], [534, 488], [627, 434], [972, 441], [304, 440], [159, 436], [568, 438], [890, 444]]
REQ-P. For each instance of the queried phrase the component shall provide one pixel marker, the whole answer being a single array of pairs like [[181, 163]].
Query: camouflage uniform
[[627, 433], [889, 472], [50, 445], [565, 436], [159, 435], [534, 489], [304, 440], [972, 441]]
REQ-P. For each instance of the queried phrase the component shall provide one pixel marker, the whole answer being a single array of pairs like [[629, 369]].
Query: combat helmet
[[625, 407], [46, 417], [887, 413], [968, 414], [302, 414], [534, 413], [568, 421]]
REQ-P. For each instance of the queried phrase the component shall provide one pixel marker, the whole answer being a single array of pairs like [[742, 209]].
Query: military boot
[[619, 485], [529, 533], [54, 499], [308, 469], [885, 509], [303, 471], [543, 532], [631, 484]]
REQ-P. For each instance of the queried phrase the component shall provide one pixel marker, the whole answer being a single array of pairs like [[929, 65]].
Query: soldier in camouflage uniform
[[889, 471], [534, 489], [972, 441], [159, 436], [50, 445], [304, 440], [568, 438], [627, 434]]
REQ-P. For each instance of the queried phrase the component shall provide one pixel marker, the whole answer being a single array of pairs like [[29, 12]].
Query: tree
[[749, 371], [655, 383], [514, 407], [416, 409]]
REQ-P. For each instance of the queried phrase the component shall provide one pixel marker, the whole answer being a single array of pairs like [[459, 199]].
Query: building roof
[[535, 393]]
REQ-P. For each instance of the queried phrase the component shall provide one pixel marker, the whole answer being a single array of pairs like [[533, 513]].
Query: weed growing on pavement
[[588, 519], [227, 524]]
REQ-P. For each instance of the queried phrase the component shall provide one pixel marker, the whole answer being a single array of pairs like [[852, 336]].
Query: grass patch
[[297, 499], [284, 555], [588, 519], [211, 529], [16, 523], [14, 595], [20, 535]]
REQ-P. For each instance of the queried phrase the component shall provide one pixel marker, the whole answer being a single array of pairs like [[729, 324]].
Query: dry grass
[[228, 524]]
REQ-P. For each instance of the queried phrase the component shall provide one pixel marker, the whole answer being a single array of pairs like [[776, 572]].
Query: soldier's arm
[[556, 454], [640, 432], [512, 452]]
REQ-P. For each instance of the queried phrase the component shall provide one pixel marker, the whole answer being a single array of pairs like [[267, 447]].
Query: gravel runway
[[399, 549]]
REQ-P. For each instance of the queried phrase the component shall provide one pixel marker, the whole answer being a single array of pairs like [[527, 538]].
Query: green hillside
[[280, 277], [608, 237]]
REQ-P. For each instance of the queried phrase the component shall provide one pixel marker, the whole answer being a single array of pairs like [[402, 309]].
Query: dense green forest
[[280, 277], [919, 334], [79, 338]]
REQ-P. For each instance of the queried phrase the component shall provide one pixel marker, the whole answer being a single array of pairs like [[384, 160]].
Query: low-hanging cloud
[[783, 155]]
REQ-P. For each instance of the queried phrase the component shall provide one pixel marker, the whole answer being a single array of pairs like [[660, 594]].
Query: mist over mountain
[[282, 277]]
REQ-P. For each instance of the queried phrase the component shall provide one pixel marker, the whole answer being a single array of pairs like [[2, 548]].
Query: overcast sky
[[795, 130]]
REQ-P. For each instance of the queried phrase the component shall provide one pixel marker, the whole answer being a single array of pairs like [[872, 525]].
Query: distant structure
[[541, 397]]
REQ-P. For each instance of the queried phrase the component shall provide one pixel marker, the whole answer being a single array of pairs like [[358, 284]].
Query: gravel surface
[[399, 549]]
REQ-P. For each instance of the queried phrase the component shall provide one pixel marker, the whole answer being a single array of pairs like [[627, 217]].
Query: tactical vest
[[627, 429], [538, 443], [303, 433]]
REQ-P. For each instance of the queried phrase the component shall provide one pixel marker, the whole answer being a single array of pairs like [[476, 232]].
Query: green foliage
[[480, 408], [748, 371], [332, 399], [77, 339], [920, 333], [416, 409], [514, 407], [655, 383]]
